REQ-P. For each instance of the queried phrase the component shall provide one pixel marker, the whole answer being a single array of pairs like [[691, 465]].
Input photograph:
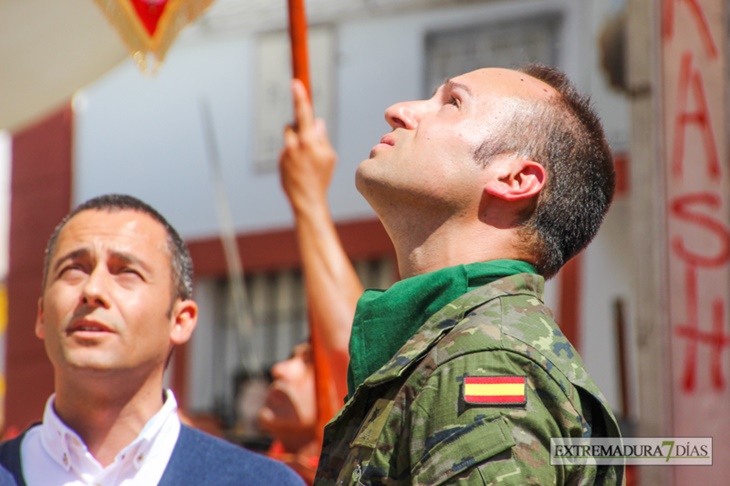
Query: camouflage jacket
[[410, 423]]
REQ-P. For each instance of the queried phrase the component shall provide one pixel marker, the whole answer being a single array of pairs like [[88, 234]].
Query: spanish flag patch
[[495, 390]]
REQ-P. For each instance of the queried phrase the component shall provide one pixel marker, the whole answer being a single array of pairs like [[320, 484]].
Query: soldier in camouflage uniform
[[419, 428], [458, 372]]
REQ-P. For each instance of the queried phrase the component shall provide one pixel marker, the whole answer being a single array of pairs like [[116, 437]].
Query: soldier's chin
[[279, 427], [266, 420]]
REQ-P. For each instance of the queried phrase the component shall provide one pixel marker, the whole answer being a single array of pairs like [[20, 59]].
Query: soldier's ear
[[514, 179]]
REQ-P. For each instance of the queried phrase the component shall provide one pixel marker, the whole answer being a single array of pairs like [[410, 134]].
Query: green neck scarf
[[386, 319]]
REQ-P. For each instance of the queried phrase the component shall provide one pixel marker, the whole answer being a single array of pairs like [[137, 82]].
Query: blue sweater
[[198, 459]]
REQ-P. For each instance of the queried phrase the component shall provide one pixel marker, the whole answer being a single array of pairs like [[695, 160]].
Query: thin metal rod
[[241, 307]]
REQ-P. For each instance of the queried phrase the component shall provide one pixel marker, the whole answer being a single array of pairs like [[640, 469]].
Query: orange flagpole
[[327, 400]]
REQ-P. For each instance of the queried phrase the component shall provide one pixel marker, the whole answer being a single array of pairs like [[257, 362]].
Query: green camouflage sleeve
[[489, 443]]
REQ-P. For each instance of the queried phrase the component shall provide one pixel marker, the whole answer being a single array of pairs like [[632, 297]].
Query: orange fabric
[[327, 400], [305, 466], [148, 29]]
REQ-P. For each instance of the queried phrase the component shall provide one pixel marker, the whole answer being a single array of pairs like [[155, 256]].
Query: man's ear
[[515, 179], [185, 317], [40, 330]]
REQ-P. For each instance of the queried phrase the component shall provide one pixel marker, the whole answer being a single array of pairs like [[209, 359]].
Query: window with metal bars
[[277, 312], [505, 43]]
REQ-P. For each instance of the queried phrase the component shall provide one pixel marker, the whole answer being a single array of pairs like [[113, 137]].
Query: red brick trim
[[276, 250]]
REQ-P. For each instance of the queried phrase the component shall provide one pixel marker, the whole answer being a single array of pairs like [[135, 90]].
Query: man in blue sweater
[[116, 299]]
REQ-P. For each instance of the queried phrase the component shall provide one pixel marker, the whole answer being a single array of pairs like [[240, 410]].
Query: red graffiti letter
[[680, 208], [700, 19], [717, 340], [690, 79]]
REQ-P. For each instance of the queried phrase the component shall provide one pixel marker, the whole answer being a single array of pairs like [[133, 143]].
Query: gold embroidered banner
[[148, 27]]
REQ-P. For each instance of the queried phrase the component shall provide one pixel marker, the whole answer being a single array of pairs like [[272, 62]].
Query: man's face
[[291, 405], [428, 157], [107, 304]]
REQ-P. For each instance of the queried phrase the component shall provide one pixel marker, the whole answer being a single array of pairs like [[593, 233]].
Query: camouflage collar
[[449, 316]]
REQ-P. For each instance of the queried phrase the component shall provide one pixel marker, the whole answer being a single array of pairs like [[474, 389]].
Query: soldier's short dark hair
[[182, 265], [564, 135]]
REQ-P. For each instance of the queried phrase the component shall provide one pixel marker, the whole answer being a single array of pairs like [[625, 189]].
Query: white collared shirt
[[52, 454]]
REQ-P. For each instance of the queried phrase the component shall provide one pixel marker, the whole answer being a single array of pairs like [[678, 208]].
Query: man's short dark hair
[[182, 265], [565, 135]]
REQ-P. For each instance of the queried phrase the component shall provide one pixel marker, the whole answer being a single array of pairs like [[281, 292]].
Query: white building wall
[[144, 136]]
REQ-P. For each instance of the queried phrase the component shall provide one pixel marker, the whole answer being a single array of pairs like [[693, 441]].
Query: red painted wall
[[40, 197], [275, 250]]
